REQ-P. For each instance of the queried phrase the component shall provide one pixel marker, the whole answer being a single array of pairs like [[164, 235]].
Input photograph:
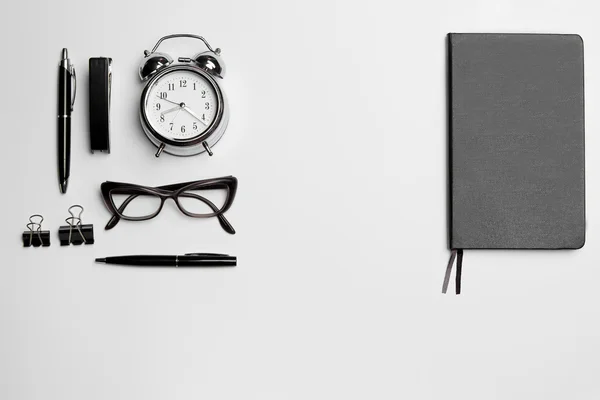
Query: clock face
[[181, 105]]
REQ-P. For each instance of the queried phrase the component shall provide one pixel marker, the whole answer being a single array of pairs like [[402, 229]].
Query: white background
[[338, 139]]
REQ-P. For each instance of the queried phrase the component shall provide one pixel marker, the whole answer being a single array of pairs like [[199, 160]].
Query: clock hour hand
[[168, 101], [186, 108]]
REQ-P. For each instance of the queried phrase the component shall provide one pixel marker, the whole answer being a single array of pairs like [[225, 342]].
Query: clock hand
[[176, 114], [186, 108], [168, 101], [170, 110]]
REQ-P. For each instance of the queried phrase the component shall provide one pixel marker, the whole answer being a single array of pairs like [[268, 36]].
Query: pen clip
[[74, 78], [109, 83], [207, 254]]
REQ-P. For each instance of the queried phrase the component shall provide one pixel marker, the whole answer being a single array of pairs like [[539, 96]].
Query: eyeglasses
[[198, 199]]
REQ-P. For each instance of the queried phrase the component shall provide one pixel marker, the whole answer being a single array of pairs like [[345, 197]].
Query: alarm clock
[[183, 109]]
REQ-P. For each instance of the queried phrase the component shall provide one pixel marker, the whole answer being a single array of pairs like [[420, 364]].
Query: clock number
[[182, 128], [183, 83], [203, 117], [157, 106], [207, 105], [204, 94], [195, 126], [171, 126], [194, 85], [171, 86], [163, 95], [162, 118]]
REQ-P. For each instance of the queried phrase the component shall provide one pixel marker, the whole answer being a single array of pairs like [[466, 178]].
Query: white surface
[[337, 136]]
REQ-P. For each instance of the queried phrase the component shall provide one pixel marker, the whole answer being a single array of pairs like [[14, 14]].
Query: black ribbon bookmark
[[458, 255]]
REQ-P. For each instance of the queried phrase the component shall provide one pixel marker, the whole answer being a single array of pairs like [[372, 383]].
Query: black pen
[[66, 98], [186, 260]]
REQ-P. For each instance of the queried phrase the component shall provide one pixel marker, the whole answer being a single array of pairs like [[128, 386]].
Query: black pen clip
[[207, 254], [74, 78]]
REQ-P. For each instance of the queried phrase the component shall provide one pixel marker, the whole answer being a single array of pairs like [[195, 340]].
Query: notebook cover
[[516, 122]]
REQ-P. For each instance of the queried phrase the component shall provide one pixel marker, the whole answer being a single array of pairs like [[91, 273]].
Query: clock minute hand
[[186, 108]]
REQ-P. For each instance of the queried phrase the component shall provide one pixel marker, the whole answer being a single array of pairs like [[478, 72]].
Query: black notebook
[[516, 126]]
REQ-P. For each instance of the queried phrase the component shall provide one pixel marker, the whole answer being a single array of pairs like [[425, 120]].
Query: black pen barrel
[[64, 124], [64, 148], [206, 261], [64, 90], [148, 261], [172, 261]]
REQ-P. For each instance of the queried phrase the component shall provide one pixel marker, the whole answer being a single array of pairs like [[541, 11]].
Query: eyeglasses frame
[[173, 191]]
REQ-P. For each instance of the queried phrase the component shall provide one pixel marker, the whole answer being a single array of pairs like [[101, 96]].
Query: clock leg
[[160, 150], [208, 150]]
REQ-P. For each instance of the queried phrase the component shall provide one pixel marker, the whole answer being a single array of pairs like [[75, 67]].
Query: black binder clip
[[36, 237], [75, 232]]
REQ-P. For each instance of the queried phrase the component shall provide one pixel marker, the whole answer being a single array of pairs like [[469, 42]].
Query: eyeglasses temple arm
[[222, 220], [225, 224], [114, 220]]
